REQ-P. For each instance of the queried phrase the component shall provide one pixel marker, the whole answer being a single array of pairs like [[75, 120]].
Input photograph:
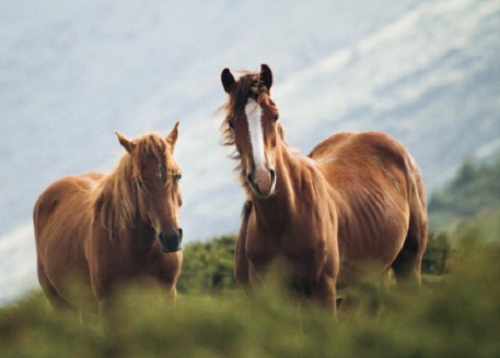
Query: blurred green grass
[[456, 315]]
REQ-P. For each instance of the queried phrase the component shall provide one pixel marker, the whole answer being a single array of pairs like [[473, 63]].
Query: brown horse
[[356, 199], [100, 230]]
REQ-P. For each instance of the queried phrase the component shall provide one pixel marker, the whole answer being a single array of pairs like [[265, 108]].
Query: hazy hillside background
[[473, 191], [426, 72]]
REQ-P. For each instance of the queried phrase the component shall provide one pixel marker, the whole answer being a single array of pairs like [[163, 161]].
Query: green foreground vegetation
[[456, 314]]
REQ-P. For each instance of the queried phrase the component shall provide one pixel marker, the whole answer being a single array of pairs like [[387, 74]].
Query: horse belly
[[371, 243]]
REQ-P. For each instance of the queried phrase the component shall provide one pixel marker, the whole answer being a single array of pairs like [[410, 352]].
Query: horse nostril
[[273, 174], [171, 242], [250, 178]]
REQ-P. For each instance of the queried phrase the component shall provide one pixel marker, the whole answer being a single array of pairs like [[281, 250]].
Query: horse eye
[[230, 123], [178, 176], [276, 118]]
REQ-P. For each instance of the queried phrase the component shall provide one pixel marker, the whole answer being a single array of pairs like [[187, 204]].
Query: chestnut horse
[[355, 201], [95, 231]]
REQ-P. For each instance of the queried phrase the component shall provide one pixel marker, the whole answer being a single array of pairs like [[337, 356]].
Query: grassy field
[[456, 315]]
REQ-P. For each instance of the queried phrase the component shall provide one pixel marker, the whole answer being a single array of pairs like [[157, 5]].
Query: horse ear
[[172, 137], [125, 142], [227, 79], [266, 76]]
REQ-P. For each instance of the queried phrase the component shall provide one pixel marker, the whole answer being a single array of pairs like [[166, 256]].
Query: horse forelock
[[151, 144]]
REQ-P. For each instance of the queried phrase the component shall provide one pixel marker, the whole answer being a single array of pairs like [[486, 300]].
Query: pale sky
[[71, 73]]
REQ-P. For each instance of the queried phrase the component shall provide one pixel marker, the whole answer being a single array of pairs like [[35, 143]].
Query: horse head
[[252, 126], [155, 176]]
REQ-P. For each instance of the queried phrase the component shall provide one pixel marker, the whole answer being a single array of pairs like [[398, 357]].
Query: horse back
[[367, 159]]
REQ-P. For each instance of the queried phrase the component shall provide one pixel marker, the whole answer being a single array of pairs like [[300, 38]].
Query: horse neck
[[292, 175]]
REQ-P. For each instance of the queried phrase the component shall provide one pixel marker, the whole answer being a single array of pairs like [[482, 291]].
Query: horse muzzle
[[262, 182], [171, 242]]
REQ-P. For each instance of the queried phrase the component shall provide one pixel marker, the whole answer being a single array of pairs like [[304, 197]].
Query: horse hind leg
[[57, 303], [407, 265]]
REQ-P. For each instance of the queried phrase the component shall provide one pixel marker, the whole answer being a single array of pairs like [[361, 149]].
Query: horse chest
[[303, 254], [306, 253], [261, 249], [122, 259]]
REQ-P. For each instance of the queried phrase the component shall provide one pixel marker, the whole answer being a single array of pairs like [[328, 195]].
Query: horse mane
[[114, 201]]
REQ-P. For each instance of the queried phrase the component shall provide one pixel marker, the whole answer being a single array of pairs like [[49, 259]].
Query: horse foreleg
[[57, 303], [324, 293], [171, 295], [105, 309], [241, 264]]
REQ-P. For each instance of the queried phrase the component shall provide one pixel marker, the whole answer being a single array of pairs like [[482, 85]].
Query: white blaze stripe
[[254, 118]]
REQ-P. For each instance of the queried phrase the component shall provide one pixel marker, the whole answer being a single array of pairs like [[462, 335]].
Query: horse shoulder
[[309, 241], [260, 246]]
